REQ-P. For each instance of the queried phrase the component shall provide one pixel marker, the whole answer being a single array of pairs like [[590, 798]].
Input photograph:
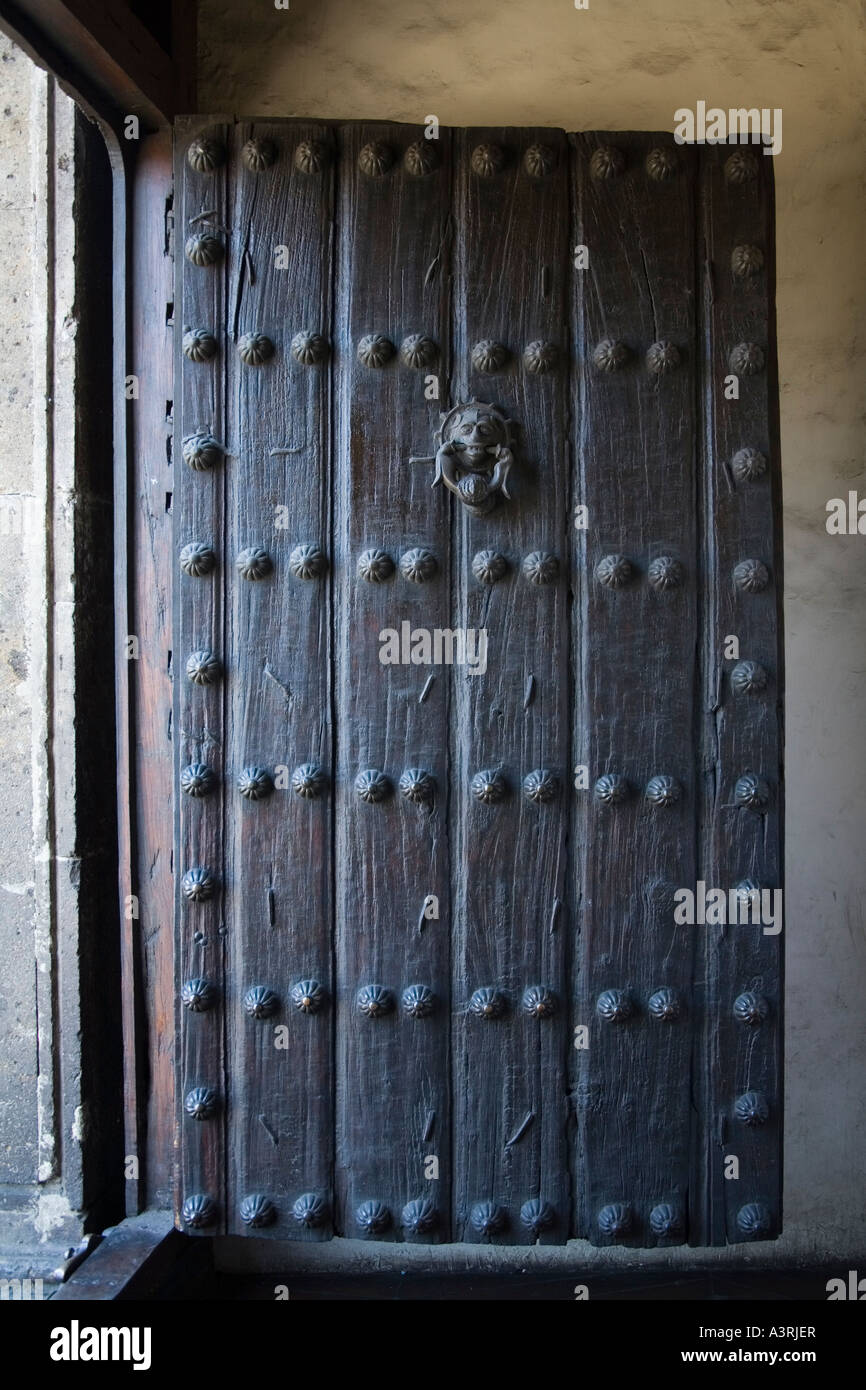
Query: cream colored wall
[[626, 65]]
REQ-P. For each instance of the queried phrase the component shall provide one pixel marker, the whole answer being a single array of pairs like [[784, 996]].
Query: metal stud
[[419, 1216], [198, 995], [487, 1218], [199, 345], [308, 781], [418, 1001], [489, 566], [752, 1109], [489, 787], [421, 158], [748, 678], [536, 1216], [257, 1210], [255, 783], [309, 349], [417, 785], [746, 359], [418, 351], [375, 566], [607, 162], [741, 167], [375, 350], [752, 576], [539, 1002], [309, 1210], [254, 563], [375, 159], [198, 885], [488, 160], [540, 567], [610, 355], [614, 571], [665, 1005], [614, 1006], [372, 786], [202, 249], [666, 1219], [661, 164], [205, 154], [489, 356], [662, 358], [258, 154], [665, 572], [752, 792], [539, 161], [308, 562], [261, 1002], [754, 1221], [375, 1001], [201, 1103], [198, 1210], [751, 1008], [373, 1217], [540, 357], [202, 667], [254, 349], [201, 451], [487, 1003], [615, 1219], [747, 261], [310, 157], [197, 779], [308, 996], [418, 565], [612, 789], [541, 786], [663, 791], [197, 559], [748, 465]]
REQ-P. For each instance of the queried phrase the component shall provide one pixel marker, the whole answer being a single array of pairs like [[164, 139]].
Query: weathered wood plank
[[278, 664], [634, 630], [391, 854], [509, 932]]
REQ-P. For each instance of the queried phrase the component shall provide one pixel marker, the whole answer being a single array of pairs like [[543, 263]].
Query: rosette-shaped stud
[[614, 571], [373, 1218], [746, 261], [309, 1210], [205, 154], [751, 576], [198, 995], [489, 787], [375, 1001], [310, 157], [254, 563], [308, 996], [418, 351], [199, 345], [751, 1008], [417, 785], [488, 160], [308, 781], [255, 783], [539, 161], [202, 667], [536, 1216], [741, 167], [748, 465], [540, 567], [201, 1103], [375, 350], [418, 1001], [667, 1220], [541, 786], [662, 357], [372, 786], [612, 789], [614, 1006], [201, 451], [254, 349], [261, 1002], [257, 1210], [751, 1109], [309, 349], [375, 566], [748, 678], [752, 792], [198, 1211], [308, 562], [607, 162], [418, 565], [197, 779], [663, 791], [202, 249], [487, 1003], [197, 559], [746, 359], [489, 356], [540, 357], [419, 1216], [258, 154], [489, 566], [198, 885], [754, 1221], [664, 573], [610, 355], [615, 1220], [539, 1002], [665, 1005], [487, 1218], [421, 158], [375, 159], [661, 164]]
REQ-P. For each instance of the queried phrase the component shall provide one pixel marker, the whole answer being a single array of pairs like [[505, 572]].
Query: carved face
[[475, 431]]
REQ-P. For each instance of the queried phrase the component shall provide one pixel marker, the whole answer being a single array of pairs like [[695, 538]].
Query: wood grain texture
[[278, 663], [393, 1104], [511, 250], [741, 732], [199, 710]]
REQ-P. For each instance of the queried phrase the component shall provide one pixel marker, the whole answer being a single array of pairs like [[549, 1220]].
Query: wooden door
[[477, 678]]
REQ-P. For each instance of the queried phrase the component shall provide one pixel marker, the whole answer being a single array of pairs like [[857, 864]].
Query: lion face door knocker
[[473, 455]]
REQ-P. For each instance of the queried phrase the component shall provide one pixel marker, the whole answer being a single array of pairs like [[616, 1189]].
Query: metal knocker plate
[[473, 455]]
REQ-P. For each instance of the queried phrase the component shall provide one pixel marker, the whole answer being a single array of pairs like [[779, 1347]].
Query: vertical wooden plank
[[198, 724], [391, 849], [510, 991], [635, 631], [742, 737], [279, 995]]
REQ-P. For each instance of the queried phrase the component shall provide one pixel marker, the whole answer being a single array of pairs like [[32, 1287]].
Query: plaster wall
[[621, 64]]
